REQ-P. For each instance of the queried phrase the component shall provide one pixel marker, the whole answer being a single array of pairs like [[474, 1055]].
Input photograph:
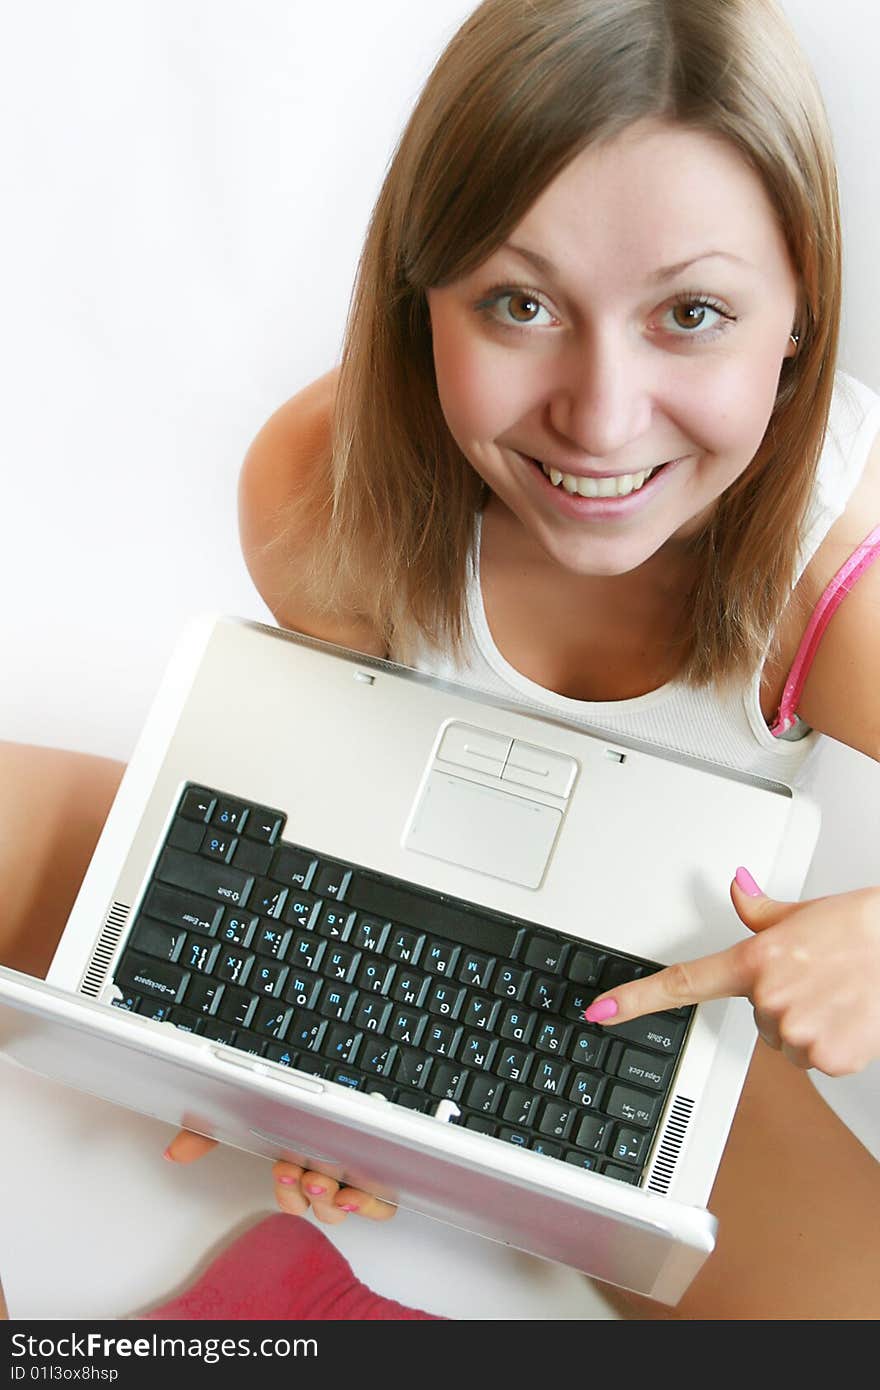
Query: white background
[[186, 186]]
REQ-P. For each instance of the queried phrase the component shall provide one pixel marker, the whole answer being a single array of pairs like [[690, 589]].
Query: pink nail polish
[[287, 1182], [600, 1010], [747, 883], [316, 1191], [348, 1206], [167, 1154]]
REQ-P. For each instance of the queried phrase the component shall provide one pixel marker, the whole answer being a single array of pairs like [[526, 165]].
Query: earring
[[795, 338]]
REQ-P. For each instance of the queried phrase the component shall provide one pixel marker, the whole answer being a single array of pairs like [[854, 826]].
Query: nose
[[602, 399]]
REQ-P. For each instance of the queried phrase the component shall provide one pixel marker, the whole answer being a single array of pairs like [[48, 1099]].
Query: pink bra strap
[[837, 590]]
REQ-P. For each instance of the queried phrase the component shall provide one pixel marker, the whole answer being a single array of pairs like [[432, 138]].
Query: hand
[[332, 1205], [811, 971]]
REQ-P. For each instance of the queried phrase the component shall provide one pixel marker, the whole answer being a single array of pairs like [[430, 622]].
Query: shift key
[[205, 876], [652, 1030]]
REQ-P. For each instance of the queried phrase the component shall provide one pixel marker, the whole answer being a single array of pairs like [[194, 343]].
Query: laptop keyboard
[[388, 988]]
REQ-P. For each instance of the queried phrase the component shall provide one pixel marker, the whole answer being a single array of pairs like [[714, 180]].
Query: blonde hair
[[523, 87]]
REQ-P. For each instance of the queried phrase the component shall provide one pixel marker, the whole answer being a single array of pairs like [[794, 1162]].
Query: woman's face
[[637, 318]]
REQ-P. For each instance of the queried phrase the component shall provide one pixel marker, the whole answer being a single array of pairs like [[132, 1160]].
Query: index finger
[[719, 976]]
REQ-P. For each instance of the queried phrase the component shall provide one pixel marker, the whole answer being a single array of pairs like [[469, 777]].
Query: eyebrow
[[656, 277]]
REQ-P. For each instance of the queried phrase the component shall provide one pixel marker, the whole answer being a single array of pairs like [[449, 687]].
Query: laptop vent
[[671, 1145], [102, 955]]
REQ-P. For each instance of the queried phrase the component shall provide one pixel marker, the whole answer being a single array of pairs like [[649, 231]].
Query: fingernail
[[287, 1182], [747, 883], [316, 1191], [169, 1155], [348, 1206], [600, 1010]]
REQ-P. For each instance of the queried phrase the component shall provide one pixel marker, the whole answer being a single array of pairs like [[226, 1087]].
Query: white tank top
[[726, 728]]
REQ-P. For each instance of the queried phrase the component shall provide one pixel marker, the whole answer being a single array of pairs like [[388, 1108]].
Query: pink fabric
[[283, 1268], [843, 581]]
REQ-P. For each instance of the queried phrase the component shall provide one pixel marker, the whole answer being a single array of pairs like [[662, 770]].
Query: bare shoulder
[[277, 476], [840, 694]]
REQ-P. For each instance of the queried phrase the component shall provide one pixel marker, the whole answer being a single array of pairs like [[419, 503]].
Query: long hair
[[522, 88]]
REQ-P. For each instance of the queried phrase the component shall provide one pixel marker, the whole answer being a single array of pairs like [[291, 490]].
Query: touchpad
[[503, 835]]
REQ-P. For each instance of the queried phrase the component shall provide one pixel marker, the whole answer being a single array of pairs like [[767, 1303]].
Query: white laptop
[[349, 914]]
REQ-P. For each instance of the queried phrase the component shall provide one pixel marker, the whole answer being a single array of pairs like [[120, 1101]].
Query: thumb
[[753, 907]]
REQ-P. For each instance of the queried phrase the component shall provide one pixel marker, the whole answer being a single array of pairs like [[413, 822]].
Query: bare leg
[[796, 1198], [53, 805]]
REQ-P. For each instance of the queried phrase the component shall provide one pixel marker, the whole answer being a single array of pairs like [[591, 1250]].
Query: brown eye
[[689, 315], [522, 307]]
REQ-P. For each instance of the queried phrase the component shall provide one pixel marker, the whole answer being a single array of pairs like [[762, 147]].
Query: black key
[[440, 957], [302, 910], [341, 962], [336, 923], [197, 804], [630, 1145], [166, 943], [442, 1039], [414, 1100], [546, 995], [347, 1076], [480, 1012], [278, 1052], [182, 910], [407, 1026], [619, 972], [217, 1029], [263, 825], [475, 970], [378, 1056], [129, 1002], [375, 975], [513, 1063], [478, 1051], [155, 978], [581, 1160], [252, 858], [293, 866], [415, 910], [550, 1076], [185, 1019], [228, 814], [521, 1107], [644, 1069], [370, 935], [445, 998], [480, 1124], [237, 1006], [315, 1066], [338, 1001], [200, 954], [593, 1133], [204, 994], [306, 1031], [234, 966], [268, 977], [653, 1030], [410, 987], [372, 1015], [272, 941], [588, 1049], [215, 881], [341, 1043], [404, 945], [448, 1080], [307, 951], [520, 1137], [268, 897], [552, 1036], [557, 1119], [154, 1009], [586, 1089], [639, 1108], [331, 881], [186, 834], [238, 928], [612, 1170], [547, 1146], [214, 845], [272, 1019], [412, 1068], [577, 1000], [484, 1093], [545, 954], [585, 966], [518, 1025], [374, 1087], [511, 981], [303, 989]]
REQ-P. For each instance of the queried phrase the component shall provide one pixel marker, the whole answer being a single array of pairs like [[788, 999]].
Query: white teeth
[[620, 486]]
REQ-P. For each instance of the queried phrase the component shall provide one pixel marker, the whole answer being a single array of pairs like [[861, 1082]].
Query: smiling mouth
[[619, 486]]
